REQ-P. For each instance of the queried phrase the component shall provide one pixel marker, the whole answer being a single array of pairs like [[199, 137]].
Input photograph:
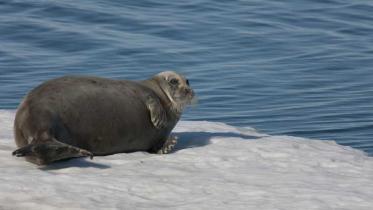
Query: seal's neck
[[165, 97]]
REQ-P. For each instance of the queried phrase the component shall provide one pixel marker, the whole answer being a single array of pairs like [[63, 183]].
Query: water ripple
[[298, 68]]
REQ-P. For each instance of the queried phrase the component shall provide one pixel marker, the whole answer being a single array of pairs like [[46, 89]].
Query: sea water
[[300, 68]]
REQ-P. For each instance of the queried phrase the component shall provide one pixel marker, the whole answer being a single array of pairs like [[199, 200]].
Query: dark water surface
[[302, 68]]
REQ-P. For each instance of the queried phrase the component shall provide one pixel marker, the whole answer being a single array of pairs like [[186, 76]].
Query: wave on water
[[298, 68]]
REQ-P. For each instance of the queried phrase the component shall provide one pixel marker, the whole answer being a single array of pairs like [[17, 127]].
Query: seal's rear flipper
[[50, 151]]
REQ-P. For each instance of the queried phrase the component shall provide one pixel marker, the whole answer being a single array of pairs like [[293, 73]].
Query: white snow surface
[[215, 166]]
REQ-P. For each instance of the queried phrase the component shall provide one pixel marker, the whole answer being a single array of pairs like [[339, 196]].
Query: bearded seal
[[78, 116]]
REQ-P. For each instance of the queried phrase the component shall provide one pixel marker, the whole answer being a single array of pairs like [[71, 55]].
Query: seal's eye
[[187, 82], [174, 81]]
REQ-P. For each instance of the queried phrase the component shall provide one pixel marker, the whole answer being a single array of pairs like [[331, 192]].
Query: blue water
[[302, 68]]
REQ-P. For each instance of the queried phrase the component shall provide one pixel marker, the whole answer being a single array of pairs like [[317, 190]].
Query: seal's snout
[[188, 91], [190, 95]]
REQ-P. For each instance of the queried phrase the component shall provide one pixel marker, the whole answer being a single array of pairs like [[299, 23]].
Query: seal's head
[[177, 89]]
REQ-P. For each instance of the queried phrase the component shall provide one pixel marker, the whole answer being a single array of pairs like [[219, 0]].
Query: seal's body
[[85, 116]]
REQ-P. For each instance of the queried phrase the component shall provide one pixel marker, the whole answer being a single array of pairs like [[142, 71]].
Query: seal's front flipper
[[50, 151], [157, 114], [168, 145]]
